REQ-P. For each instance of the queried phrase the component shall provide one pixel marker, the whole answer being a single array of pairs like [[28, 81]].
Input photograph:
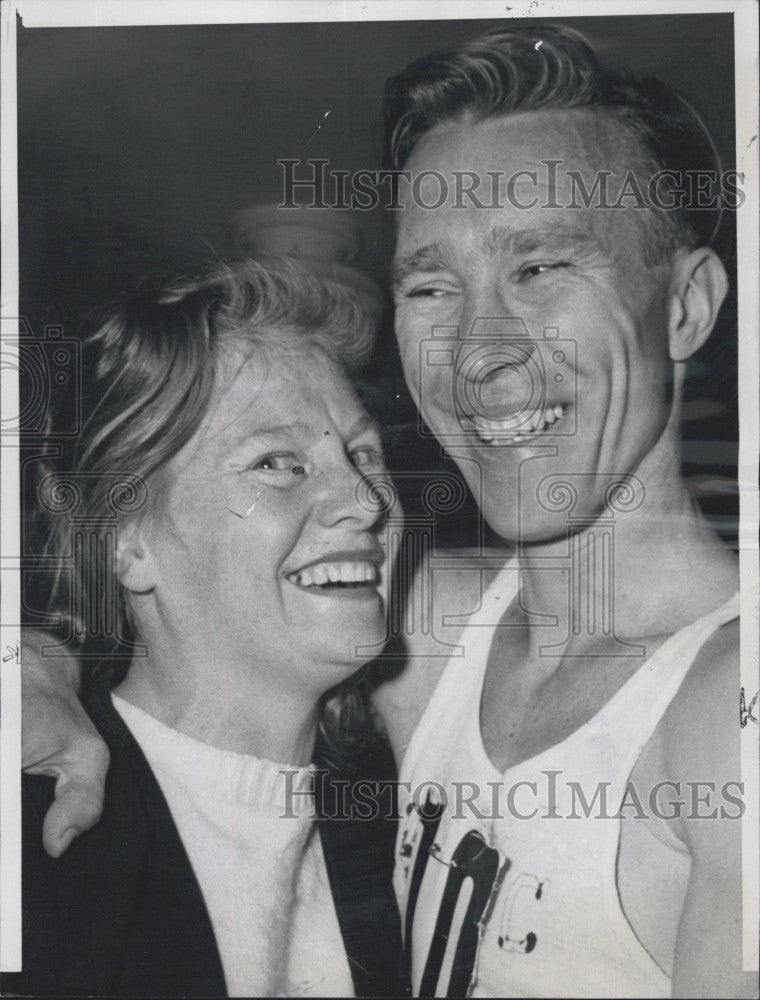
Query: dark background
[[137, 145]]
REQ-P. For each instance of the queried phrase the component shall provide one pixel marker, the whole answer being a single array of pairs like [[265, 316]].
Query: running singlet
[[506, 882]]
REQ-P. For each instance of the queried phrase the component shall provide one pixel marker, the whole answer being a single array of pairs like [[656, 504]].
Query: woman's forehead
[[285, 377], [271, 347]]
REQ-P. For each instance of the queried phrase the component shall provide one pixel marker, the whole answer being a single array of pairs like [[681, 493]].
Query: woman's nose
[[348, 495]]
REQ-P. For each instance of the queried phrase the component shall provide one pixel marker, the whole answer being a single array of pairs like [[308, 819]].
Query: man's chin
[[518, 529]]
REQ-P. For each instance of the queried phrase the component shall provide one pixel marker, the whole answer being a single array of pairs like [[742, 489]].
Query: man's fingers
[[78, 801], [59, 740]]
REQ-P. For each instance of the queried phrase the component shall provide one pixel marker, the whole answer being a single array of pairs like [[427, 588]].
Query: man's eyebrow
[[425, 259], [553, 238], [431, 257]]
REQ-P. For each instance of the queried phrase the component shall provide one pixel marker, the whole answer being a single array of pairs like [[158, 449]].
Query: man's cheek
[[421, 361], [410, 364]]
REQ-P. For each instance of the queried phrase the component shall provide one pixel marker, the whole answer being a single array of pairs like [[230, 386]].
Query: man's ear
[[135, 567], [697, 288]]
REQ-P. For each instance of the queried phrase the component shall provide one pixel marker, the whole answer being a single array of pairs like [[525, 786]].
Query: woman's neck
[[222, 703]]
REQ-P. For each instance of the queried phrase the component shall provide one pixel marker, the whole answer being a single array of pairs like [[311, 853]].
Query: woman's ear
[[135, 567], [697, 288]]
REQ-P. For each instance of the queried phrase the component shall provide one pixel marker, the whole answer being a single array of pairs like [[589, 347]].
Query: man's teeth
[[520, 426], [323, 574]]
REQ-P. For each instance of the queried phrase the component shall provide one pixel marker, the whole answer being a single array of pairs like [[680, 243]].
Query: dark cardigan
[[121, 913]]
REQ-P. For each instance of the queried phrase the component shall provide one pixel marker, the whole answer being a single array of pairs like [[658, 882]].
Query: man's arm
[[703, 745], [59, 740]]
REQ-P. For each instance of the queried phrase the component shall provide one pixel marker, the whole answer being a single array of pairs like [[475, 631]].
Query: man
[[545, 321], [569, 325]]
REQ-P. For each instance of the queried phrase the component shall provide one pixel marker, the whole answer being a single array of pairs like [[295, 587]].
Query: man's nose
[[492, 347], [497, 361], [489, 316]]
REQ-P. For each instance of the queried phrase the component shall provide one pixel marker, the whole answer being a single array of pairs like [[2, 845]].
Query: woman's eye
[[429, 292], [426, 293], [367, 459], [275, 463]]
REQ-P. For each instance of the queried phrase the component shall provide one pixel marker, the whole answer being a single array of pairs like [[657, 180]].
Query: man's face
[[592, 405]]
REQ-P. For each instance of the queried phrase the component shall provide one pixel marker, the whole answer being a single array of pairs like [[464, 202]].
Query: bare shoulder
[[700, 731], [446, 588], [700, 739]]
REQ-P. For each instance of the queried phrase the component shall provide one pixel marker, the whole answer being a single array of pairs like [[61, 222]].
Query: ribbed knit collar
[[243, 778]]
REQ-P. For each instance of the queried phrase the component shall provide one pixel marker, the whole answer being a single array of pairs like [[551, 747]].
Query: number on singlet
[[454, 946], [474, 872]]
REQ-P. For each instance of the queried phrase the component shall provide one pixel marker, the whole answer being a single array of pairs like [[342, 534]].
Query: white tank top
[[495, 905]]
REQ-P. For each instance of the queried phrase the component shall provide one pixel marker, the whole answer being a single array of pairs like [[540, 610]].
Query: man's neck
[[643, 574]]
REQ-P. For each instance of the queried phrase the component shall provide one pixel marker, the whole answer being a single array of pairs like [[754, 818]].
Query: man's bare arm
[[703, 745], [59, 740]]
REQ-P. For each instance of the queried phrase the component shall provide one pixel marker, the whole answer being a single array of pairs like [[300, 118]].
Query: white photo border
[[109, 13]]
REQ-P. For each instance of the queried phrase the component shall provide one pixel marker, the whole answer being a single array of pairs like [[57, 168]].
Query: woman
[[251, 570]]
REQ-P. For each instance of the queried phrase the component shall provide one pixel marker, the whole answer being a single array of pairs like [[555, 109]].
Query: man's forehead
[[543, 183], [584, 134]]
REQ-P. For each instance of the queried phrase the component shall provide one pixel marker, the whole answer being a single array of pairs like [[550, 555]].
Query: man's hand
[[59, 740]]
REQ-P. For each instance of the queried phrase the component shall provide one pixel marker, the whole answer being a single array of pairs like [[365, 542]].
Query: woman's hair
[[148, 377], [548, 67]]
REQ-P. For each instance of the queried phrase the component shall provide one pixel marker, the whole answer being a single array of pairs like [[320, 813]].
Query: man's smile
[[523, 425]]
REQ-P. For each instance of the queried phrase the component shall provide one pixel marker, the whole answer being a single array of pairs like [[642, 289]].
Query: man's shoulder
[[697, 740], [701, 725], [446, 588]]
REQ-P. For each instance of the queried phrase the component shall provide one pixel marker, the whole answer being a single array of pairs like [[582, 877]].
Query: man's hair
[[548, 67], [149, 376]]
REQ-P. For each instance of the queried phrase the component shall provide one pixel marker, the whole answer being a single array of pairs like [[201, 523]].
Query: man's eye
[[275, 463], [534, 270]]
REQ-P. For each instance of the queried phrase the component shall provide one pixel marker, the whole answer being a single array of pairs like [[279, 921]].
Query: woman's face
[[263, 554]]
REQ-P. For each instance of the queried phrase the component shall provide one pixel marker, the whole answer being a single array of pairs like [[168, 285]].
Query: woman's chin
[[353, 645]]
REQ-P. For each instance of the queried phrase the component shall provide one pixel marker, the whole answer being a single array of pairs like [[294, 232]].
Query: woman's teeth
[[519, 427], [325, 574]]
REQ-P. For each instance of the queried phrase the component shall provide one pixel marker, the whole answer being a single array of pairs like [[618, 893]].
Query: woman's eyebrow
[[246, 434], [365, 423], [424, 260]]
